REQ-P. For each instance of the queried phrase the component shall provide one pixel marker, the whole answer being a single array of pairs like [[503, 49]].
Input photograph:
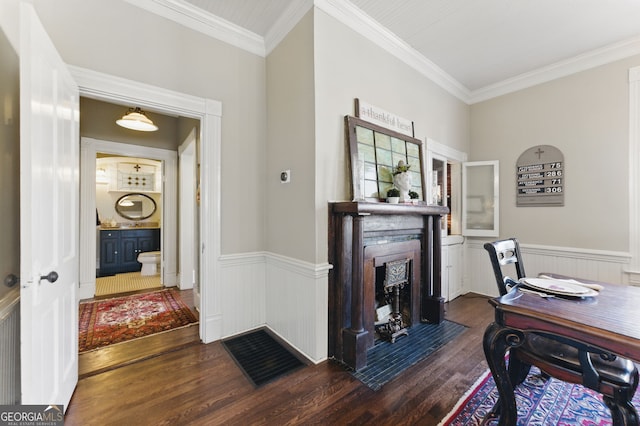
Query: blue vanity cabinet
[[109, 247], [134, 242], [119, 249], [129, 251]]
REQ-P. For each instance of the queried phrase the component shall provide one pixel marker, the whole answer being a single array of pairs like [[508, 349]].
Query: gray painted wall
[[586, 116], [349, 66], [98, 121], [119, 39], [291, 218]]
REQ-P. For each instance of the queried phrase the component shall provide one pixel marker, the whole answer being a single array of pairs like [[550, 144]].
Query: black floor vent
[[261, 357]]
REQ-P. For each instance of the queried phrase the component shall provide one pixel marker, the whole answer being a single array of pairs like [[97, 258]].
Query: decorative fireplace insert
[[364, 237]]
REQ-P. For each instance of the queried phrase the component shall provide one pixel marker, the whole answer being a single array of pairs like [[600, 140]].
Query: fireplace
[[363, 239]]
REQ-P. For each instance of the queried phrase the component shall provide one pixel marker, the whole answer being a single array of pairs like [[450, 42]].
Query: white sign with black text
[[383, 118]]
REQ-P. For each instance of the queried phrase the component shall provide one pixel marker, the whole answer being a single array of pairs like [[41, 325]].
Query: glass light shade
[[135, 119]]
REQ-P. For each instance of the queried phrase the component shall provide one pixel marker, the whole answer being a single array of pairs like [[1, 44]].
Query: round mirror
[[136, 206]]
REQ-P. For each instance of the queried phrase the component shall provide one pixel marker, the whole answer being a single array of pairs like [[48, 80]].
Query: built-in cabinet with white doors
[[452, 267], [470, 190]]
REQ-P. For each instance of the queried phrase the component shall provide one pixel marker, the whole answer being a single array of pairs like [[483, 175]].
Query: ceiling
[[478, 44]]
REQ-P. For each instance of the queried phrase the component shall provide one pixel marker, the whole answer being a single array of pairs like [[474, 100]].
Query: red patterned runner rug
[[105, 322]]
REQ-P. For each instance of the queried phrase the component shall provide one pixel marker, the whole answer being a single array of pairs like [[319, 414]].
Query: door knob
[[11, 280], [52, 277]]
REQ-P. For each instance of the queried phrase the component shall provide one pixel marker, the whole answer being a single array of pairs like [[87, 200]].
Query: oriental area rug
[[547, 402], [120, 319]]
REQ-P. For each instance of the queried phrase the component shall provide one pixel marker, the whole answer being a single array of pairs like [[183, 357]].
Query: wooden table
[[609, 321]]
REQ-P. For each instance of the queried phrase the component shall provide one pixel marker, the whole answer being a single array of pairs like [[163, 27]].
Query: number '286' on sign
[[540, 177]]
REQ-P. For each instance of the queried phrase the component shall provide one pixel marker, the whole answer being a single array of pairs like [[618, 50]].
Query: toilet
[[150, 261]]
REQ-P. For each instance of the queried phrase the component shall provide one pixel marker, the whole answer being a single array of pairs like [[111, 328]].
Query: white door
[[49, 162], [187, 206], [481, 199]]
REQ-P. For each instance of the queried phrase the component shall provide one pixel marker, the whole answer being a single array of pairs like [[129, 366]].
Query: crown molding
[[192, 17], [357, 20], [583, 62], [285, 23], [185, 14]]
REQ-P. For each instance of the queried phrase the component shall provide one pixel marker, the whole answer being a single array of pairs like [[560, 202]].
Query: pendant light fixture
[[136, 119]]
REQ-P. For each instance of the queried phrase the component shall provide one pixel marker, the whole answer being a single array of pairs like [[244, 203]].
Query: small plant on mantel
[[401, 168], [393, 195], [413, 195]]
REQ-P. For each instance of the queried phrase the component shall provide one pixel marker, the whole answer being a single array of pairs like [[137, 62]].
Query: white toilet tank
[[150, 261]]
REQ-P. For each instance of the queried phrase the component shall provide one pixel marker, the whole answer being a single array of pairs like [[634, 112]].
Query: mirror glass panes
[[480, 192], [375, 152], [437, 181], [444, 183]]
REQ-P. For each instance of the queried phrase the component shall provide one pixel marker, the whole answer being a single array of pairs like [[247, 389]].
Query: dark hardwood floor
[[200, 384]]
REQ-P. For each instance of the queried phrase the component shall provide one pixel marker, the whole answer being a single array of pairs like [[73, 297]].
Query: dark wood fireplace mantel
[[362, 236]]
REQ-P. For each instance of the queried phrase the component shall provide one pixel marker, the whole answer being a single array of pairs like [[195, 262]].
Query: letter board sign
[[540, 177]]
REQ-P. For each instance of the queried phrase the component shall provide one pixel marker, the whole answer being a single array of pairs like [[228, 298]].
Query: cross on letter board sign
[[540, 177]]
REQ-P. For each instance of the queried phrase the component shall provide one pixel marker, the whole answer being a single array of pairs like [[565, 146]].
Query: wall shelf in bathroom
[[122, 191], [129, 174]]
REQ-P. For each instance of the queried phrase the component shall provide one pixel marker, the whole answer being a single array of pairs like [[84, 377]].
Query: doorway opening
[[208, 113], [129, 224], [132, 186]]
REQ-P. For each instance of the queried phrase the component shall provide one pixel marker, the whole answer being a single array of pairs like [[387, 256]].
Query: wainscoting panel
[[242, 295], [287, 295], [478, 275], [10, 348], [296, 300], [591, 264]]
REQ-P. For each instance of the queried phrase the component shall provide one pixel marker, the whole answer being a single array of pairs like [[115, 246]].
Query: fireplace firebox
[[363, 239]]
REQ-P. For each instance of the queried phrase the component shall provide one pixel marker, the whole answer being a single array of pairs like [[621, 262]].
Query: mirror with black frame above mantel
[[375, 152]]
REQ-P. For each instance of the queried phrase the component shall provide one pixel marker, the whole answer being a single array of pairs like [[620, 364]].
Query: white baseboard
[[87, 290], [170, 279], [213, 328]]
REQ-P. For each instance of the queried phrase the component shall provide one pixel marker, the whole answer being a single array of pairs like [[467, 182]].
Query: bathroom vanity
[[120, 247]]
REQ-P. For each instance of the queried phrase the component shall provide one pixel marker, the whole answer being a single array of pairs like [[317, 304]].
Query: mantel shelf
[[367, 208]]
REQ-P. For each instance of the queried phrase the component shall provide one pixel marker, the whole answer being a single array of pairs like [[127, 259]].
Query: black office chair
[[570, 361]]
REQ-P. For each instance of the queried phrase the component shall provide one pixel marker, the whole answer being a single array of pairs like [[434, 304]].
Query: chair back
[[503, 253]]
